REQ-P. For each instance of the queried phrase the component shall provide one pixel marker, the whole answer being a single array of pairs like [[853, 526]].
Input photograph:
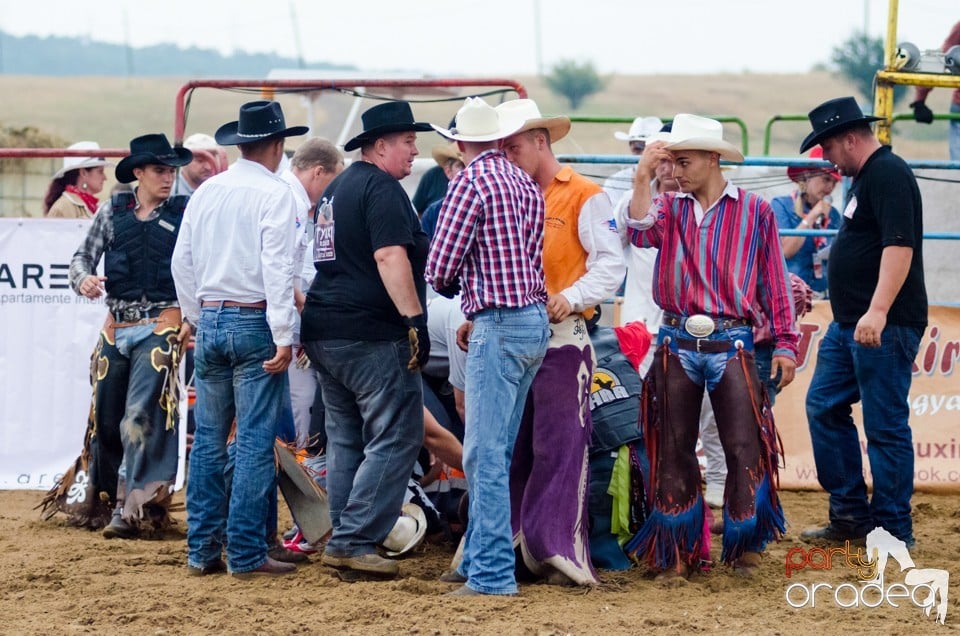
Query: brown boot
[[748, 564]]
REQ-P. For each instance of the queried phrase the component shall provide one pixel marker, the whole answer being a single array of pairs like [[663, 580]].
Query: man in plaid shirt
[[489, 239]]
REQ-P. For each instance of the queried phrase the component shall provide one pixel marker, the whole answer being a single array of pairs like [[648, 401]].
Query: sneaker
[[713, 495], [296, 543], [830, 534], [119, 529]]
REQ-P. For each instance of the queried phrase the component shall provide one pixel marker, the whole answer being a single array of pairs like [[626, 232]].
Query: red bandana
[[90, 200]]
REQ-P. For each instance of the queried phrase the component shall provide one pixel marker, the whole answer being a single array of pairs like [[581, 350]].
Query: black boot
[[118, 528]]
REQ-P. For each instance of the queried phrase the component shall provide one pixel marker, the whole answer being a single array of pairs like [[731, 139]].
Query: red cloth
[[88, 199], [635, 341]]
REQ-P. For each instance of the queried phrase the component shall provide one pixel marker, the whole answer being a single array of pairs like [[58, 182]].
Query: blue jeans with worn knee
[[879, 378], [706, 369], [506, 348], [374, 424], [231, 346]]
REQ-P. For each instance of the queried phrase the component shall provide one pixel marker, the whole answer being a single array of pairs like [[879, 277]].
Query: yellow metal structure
[[888, 77]]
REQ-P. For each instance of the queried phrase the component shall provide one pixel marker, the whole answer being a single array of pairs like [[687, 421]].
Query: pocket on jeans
[[518, 354]]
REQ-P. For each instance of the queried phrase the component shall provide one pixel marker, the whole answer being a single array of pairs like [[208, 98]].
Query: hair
[[58, 186], [255, 148], [316, 151], [533, 132]]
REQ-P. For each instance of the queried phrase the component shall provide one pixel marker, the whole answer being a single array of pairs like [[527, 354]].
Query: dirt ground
[[56, 579]]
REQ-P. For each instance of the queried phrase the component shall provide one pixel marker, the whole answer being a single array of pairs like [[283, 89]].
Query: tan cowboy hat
[[479, 121], [526, 110], [692, 132], [75, 163], [408, 532], [442, 153]]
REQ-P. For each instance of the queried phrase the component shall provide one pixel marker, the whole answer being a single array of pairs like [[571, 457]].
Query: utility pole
[[296, 35], [126, 39]]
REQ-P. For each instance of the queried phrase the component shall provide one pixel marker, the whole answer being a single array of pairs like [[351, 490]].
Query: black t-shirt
[[347, 299], [883, 208]]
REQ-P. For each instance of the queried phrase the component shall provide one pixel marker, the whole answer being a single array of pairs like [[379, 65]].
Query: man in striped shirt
[[489, 240], [718, 253]]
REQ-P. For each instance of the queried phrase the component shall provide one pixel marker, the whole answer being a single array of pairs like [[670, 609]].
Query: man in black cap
[[233, 265], [364, 327], [879, 303], [133, 417]]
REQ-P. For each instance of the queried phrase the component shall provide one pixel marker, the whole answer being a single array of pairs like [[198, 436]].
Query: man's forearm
[[894, 267]]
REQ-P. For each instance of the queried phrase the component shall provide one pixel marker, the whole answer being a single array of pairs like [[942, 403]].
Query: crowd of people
[[445, 374]]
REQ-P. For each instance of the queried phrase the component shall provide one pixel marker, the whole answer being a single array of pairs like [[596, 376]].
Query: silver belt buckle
[[699, 325]]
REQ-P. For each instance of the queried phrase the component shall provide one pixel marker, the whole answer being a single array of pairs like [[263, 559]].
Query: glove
[[419, 341], [450, 290], [921, 112]]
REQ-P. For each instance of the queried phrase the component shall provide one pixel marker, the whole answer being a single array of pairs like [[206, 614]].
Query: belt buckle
[[699, 325]]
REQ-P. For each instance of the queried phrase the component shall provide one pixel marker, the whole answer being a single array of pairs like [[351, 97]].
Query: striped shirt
[[721, 264], [490, 235]]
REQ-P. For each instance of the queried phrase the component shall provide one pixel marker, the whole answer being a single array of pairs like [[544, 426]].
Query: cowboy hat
[[408, 532], [833, 117], [526, 111], [383, 119], [479, 121], [75, 163], [258, 120], [692, 132], [200, 141], [801, 173], [442, 153], [152, 149], [641, 129]]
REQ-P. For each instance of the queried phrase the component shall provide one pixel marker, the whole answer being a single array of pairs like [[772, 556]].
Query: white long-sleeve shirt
[[236, 243], [605, 266]]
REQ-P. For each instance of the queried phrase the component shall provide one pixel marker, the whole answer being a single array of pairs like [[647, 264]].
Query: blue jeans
[[506, 349], [231, 346], [706, 369], [878, 377], [374, 424]]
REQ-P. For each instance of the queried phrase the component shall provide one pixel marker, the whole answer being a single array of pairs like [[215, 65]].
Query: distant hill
[[64, 56]]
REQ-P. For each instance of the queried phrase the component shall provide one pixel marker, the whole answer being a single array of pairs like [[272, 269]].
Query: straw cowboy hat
[[383, 119], [408, 532], [442, 153], [641, 129], [692, 132], [526, 110], [833, 117], [147, 150], [478, 121], [801, 173], [75, 163]]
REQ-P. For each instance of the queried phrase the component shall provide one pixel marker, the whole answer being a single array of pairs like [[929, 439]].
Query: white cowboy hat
[[479, 121], [692, 132], [75, 163], [526, 111], [641, 129], [200, 141], [408, 532]]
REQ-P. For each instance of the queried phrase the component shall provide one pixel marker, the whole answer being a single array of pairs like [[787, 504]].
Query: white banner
[[48, 335]]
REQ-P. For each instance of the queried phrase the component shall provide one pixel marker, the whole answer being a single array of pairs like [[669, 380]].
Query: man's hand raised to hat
[[653, 154]]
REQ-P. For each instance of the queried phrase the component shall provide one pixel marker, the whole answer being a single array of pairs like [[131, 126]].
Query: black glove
[[419, 341], [450, 290], [921, 112]]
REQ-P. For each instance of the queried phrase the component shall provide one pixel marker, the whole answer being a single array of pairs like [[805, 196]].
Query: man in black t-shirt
[[364, 327], [879, 303]]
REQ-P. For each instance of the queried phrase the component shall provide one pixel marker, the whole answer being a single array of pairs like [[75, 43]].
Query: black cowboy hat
[[833, 117], [258, 120], [152, 149], [383, 119]]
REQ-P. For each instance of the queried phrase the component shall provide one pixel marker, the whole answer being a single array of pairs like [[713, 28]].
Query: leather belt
[[133, 315], [700, 345], [701, 325], [233, 303]]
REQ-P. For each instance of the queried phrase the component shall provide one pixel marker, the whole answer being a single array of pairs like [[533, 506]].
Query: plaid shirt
[[490, 235], [88, 255], [730, 264]]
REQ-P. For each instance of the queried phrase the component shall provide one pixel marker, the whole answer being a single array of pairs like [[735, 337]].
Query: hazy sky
[[498, 37]]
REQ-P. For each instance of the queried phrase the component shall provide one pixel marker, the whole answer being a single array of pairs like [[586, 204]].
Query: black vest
[[137, 261]]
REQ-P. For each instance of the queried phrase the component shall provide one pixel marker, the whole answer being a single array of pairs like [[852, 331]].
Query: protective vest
[[137, 261]]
